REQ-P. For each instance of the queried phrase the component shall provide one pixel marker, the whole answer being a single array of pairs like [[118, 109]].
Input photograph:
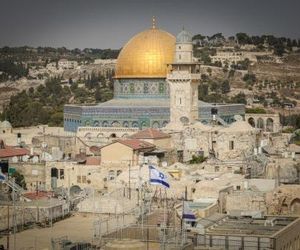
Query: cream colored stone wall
[[84, 176], [117, 153], [220, 140], [164, 143], [34, 175], [284, 200], [184, 52], [254, 201]]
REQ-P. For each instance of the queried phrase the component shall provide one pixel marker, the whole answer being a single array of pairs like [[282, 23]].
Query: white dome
[[5, 124]]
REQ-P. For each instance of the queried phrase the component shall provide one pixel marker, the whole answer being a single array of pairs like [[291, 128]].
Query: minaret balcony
[[183, 76]]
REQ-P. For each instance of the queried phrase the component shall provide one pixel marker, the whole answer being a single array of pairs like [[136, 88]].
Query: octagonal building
[[141, 93]]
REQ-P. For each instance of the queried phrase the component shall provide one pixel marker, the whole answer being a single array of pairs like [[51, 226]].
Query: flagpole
[[182, 220], [165, 220]]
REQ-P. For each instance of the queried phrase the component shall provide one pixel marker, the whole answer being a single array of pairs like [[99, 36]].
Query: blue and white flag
[[2, 177], [187, 213], [158, 178]]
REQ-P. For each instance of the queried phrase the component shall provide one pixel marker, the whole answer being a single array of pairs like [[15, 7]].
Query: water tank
[[129, 244]]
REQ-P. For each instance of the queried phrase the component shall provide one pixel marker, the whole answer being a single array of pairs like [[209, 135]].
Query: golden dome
[[146, 55]]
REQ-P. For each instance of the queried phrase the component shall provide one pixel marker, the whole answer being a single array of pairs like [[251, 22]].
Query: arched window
[[260, 123], [126, 124], [155, 125], [270, 125], [251, 121]]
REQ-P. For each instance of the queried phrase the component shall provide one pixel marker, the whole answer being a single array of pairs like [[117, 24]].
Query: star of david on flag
[[158, 178]]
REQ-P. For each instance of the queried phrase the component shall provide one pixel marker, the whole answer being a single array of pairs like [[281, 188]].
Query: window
[[78, 179], [62, 174], [231, 145], [179, 57]]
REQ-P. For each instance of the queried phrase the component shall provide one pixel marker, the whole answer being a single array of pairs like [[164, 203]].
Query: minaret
[[183, 80]]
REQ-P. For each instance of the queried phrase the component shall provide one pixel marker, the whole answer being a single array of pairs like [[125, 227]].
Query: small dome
[[5, 124], [184, 37]]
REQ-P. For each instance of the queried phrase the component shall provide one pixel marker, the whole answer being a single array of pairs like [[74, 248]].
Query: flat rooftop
[[267, 226]]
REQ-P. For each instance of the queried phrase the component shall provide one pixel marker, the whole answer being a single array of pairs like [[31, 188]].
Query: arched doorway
[[295, 206], [260, 123], [270, 125], [113, 135], [251, 121]]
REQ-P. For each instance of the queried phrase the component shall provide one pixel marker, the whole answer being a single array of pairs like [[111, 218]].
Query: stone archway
[[260, 123], [88, 135], [116, 124], [251, 121], [126, 124], [165, 123], [269, 125], [155, 125], [96, 123], [113, 135], [295, 206], [135, 124]]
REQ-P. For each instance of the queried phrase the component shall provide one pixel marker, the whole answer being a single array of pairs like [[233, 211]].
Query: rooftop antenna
[[153, 22]]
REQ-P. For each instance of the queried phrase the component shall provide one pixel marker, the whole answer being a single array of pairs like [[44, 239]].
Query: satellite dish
[[44, 144], [164, 164], [25, 158], [184, 120], [14, 159], [35, 159], [238, 117]]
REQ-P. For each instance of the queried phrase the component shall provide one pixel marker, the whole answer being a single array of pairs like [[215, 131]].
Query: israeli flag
[[2, 177], [187, 213], [158, 178]]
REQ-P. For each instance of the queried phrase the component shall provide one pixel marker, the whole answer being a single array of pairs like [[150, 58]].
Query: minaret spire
[[153, 22]]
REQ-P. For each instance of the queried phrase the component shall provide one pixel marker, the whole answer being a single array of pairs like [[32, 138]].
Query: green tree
[[98, 96], [19, 179], [225, 87]]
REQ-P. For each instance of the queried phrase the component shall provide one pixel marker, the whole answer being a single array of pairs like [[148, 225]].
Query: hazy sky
[[109, 24]]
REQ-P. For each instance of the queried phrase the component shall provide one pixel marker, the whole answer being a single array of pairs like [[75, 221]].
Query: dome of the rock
[[146, 55]]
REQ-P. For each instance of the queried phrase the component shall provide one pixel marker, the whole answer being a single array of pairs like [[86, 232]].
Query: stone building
[[73, 176], [64, 64], [233, 57], [264, 122], [223, 142], [125, 152], [234, 233], [284, 200]]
